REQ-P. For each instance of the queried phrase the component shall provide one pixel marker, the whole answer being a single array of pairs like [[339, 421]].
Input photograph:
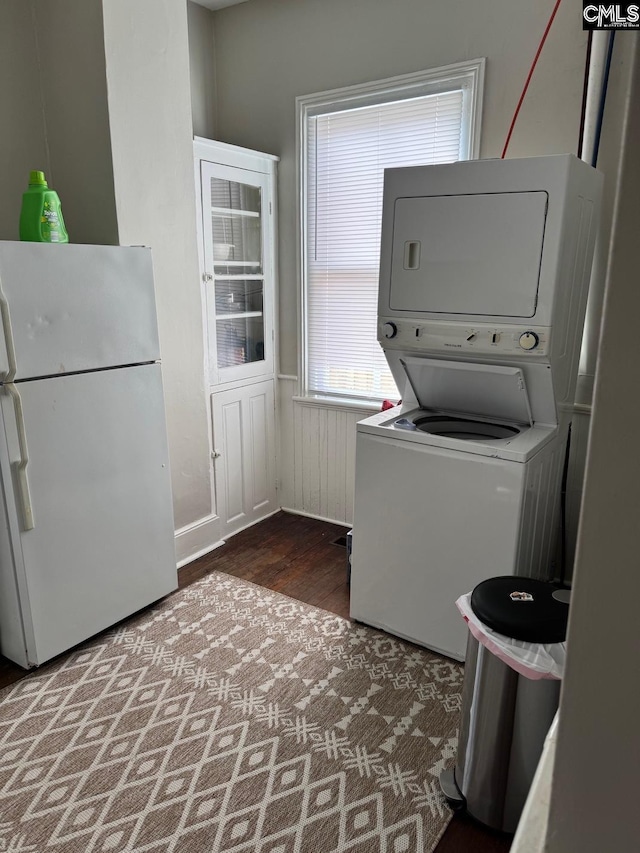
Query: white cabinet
[[244, 451], [235, 191]]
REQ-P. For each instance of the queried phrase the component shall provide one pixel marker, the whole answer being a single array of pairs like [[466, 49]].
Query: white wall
[[73, 85], [147, 64], [54, 115], [53, 118], [595, 781], [270, 51], [22, 141], [202, 70]]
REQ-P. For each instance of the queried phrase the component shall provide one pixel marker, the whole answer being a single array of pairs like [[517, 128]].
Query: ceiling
[[218, 4]]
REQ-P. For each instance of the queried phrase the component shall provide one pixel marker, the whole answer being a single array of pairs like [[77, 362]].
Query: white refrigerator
[[86, 527]]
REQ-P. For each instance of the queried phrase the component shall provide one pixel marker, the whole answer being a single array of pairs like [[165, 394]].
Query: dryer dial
[[528, 340], [389, 330]]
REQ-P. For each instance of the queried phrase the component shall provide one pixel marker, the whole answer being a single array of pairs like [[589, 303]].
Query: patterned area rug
[[230, 718]]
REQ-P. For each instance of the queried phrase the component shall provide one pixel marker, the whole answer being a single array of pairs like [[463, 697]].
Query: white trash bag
[[533, 660]]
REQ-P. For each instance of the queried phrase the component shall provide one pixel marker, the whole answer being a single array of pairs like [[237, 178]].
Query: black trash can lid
[[521, 608]]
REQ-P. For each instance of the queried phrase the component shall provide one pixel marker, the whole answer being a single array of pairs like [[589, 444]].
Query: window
[[347, 138]]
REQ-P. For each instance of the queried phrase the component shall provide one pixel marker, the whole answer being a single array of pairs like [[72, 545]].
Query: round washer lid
[[521, 608]]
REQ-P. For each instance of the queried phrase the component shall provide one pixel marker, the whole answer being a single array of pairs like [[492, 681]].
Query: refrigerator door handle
[[8, 337], [20, 467]]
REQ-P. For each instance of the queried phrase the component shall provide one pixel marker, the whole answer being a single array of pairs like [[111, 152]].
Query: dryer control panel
[[480, 338]]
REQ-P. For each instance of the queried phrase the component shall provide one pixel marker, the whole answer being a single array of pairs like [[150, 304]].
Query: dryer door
[[468, 254]]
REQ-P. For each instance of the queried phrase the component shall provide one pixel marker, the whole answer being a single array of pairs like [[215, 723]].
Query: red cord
[[531, 70]]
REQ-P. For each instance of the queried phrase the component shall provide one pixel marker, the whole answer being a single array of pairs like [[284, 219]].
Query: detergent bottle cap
[[37, 179]]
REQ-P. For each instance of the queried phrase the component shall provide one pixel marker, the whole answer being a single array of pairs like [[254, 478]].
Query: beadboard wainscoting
[[317, 454]]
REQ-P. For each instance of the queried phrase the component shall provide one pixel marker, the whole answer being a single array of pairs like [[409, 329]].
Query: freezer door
[[69, 308], [102, 543]]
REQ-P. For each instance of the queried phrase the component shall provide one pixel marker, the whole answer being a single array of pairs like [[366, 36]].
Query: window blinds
[[347, 152]]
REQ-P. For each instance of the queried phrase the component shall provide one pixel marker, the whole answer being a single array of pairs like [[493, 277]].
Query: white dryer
[[484, 273]]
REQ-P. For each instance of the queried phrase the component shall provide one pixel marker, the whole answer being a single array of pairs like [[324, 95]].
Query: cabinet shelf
[[227, 211], [239, 275], [240, 315]]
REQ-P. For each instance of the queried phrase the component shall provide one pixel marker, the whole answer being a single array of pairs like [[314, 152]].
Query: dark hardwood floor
[[299, 557]]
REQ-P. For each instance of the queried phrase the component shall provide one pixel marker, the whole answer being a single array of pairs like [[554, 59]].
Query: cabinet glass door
[[234, 226]]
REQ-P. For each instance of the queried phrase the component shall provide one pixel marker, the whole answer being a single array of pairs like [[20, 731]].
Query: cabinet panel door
[[244, 443], [238, 260], [230, 433], [260, 409]]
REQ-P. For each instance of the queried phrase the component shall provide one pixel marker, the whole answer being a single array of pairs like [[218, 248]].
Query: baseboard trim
[[197, 539], [251, 523], [318, 517]]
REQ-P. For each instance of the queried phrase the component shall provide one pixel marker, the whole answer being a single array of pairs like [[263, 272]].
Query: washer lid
[[488, 390]]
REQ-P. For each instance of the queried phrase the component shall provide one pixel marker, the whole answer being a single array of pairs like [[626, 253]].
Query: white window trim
[[470, 75]]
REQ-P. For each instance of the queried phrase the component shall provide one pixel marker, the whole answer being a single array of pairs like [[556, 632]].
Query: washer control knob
[[389, 330], [529, 340]]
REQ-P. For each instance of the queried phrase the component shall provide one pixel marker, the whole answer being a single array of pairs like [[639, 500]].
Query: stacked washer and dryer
[[484, 274]]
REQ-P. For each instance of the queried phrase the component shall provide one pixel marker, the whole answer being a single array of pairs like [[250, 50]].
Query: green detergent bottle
[[41, 215]]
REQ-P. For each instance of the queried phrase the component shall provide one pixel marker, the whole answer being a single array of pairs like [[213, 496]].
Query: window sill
[[349, 405]]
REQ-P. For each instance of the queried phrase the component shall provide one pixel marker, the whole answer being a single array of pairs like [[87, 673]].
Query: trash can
[[511, 689]]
